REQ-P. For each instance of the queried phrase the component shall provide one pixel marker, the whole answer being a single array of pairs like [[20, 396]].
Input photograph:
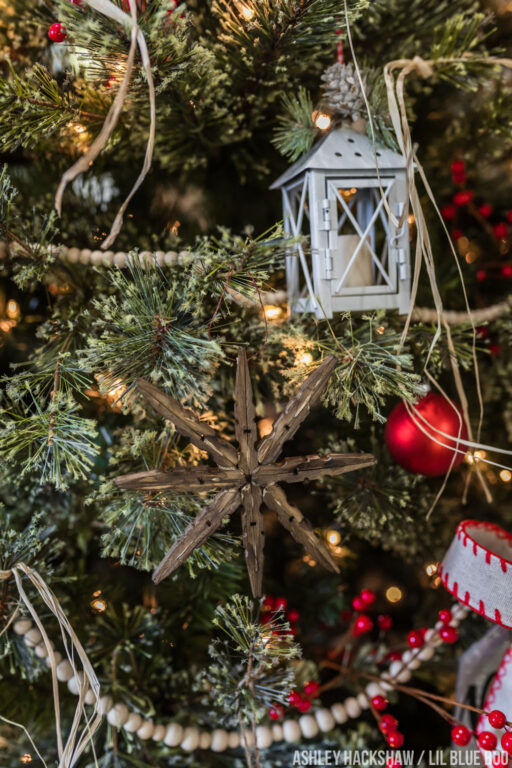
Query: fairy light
[[333, 537], [321, 120], [381, 330], [13, 309], [431, 569], [505, 476], [475, 457], [304, 358], [99, 605], [26, 758], [273, 312], [246, 12], [309, 561], [394, 594]]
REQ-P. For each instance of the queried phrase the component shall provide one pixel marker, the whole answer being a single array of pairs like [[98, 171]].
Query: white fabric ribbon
[[477, 571], [80, 734], [107, 8]]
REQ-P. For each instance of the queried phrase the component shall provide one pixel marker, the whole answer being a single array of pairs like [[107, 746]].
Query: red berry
[[395, 656], [506, 742], [57, 32], [304, 705], [415, 639], [481, 275], [368, 596], [500, 230], [267, 604], [363, 625], [487, 740], [445, 616], [384, 622], [509, 216], [293, 616], [448, 212], [495, 349], [458, 166], [395, 739], [276, 712], [379, 703], [294, 698], [311, 688], [463, 197], [482, 332], [461, 735], [457, 234], [459, 178], [392, 763], [485, 210], [280, 604], [358, 604], [506, 270], [497, 719], [448, 634], [388, 723]]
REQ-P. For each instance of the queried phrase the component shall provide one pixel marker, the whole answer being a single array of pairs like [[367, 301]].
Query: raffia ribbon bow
[[80, 734]]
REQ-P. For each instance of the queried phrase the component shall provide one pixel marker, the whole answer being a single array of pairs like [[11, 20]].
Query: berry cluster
[[301, 700], [271, 605], [488, 741], [447, 632], [388, 724], [364, 623]]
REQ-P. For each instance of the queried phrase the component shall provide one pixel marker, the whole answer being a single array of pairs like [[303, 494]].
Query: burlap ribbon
[[83, 726], [107, 8]]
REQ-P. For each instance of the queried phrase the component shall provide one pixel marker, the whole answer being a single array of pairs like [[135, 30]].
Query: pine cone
[[342, 92]]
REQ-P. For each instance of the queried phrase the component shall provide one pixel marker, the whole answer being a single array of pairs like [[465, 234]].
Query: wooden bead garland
[[218, 740]]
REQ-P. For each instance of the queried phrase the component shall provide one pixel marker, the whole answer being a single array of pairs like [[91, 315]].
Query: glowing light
[[79, 128], [246, 12], [7, 325], [309, 561], [97, 593], [505, 475], [26, 758], [333, 537], [380, 330], [474, 458], [99, 605], [410, 219], [304, 358], [394, 594], [321, 120], [265, 426], [431, 569], [273, 312], [12, 309]]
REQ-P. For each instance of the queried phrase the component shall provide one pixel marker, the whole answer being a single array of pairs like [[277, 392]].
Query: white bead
[[459, 611], [384, 684], [205, 740], [85, 255], [219, 740], [75, 683], [415, 663], [439, 624], [90, 696], [108, 257], [407, 657], [454, 623], [105, 705], [120, 259], [404, 676], [352, 707], [339, 713], [32, 637], [395, 668], [277, 732], [432, 638], [65, 671], [118, 715], [325, 720], [96, 257], [22, 626], [248, 738], [363, 701], [146, 730], [73, 254], [57, 656], [174, 734], [291, 731], [170, 258], [133, 723], [158, 733], [308, 726], [373, 689], [190, 739], [40, 650], [233, 740], [426, 653], [145, 259], [263, 737], [160, 258]]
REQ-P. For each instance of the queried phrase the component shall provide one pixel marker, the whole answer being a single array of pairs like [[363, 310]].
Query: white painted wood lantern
[[359, 259]]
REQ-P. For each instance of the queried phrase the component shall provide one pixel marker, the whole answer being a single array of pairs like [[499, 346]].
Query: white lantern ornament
[[359, 258]]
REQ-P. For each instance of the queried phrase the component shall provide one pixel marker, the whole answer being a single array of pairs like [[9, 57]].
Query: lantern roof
[[344, 150]]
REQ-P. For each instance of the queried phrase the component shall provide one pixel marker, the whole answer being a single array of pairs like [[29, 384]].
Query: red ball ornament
[[497, 719], [506, 742], [379, 703], [463, 197], [448, 634], [388, 724], [363, 625], [461, 735], [415, 639], [368, 596], [384, 622], [485, 210], [506, 270], [311, 688], [458, 167], [304, 705], [358, 604], [275, 712], [487, 740], [294, 698], [500, 230], [414, 450], [57, 32], [395, 739], [445, 616]]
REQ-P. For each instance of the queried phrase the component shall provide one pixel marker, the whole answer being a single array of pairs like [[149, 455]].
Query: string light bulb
[[273, 312], [26, 758], [246, 11], [304, 358], [321, 120], [394, 594], [333, 537], [99, 605], [431, 569], [505, 476], [12, 309]]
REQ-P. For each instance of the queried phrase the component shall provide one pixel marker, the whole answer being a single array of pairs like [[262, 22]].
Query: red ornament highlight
[[57, 32], [415, 448]]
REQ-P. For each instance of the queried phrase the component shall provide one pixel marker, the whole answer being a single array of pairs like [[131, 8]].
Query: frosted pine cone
[[342, 92]]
